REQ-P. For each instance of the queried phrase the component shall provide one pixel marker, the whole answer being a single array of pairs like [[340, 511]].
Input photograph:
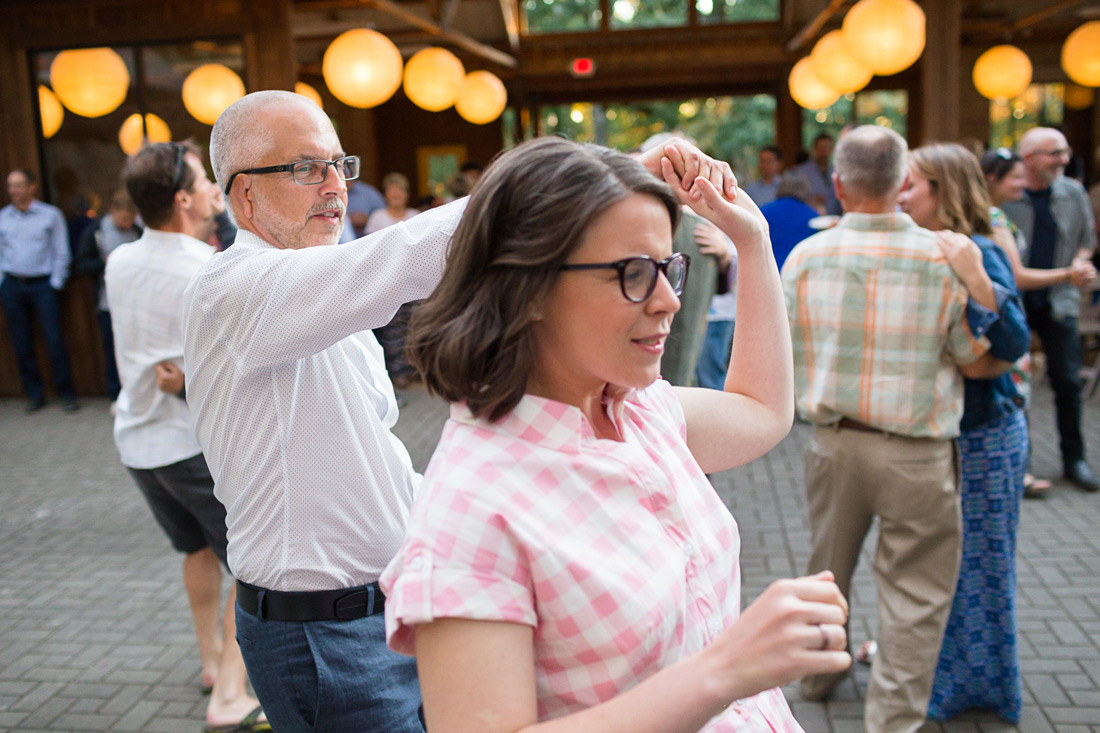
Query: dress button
[[714, 625], [689, 549], [416, 563]]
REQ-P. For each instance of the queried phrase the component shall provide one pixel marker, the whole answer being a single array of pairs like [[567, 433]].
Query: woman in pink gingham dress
[[567, 565]]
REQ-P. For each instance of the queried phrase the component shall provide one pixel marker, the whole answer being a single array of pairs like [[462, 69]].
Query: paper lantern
[[1002, 72], [130, 137], [433, 78], [1078, 97], [209, 89], [482, 99], [362, 68], [309, 92], [1080, 55], [50, 110], [806, 87], [836, 67], [91, 82], [887, 36]]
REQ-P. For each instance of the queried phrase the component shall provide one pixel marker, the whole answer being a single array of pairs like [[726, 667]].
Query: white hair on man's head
[[1036, 137], [870, 162], [239, 139]]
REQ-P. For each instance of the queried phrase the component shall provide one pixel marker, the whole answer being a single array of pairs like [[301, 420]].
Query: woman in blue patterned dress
[[979, 660]]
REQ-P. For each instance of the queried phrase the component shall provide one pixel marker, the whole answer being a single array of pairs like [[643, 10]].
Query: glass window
[[729, 128], [648, 13], [886, 107], [82, 161], [1040, 105], [736, 11], [562, 16]]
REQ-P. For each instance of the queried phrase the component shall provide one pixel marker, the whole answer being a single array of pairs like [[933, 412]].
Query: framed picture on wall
[[436, 165]]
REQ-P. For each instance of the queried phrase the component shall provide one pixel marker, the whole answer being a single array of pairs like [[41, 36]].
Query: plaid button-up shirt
[[879, 328], [620, 555]]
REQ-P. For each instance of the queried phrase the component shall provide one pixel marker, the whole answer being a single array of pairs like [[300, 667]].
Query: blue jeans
[[107, 334], [329, 675], [710, 370], [19, 300], [1062, 345]]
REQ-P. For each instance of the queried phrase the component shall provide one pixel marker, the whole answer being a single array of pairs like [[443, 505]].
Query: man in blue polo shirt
[[34, 260]]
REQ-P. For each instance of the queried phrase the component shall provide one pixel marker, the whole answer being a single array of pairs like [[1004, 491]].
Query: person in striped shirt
[[882, 339]]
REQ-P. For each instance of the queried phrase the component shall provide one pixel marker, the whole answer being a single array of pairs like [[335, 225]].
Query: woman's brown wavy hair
[[962, 198], [471, 339]]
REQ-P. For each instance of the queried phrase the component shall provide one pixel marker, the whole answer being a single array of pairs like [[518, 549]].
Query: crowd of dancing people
[[564, 563]]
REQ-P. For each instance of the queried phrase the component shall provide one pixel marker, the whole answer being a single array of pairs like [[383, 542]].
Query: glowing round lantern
[[1002, 72], [309, 92], [130, 136], [91, 82], [836, 67], [1078, 97], [209, 89], [433, 78], [50, 110], [887, 36], [362, 68], [806, 87], [482, 98], [1081, 55]]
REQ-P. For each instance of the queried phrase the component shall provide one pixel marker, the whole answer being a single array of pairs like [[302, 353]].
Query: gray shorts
[[181, 496]]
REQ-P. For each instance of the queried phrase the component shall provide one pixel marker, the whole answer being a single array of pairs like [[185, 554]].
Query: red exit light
[[583, 67]]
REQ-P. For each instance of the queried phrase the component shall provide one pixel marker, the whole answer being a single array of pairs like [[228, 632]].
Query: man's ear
[[243, 185], [838, 187], [183, 199]]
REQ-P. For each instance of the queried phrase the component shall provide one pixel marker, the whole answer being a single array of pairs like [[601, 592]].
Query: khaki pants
[[912, 486]]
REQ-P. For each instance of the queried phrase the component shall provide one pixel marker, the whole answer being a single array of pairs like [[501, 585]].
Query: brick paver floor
[[95, 632]]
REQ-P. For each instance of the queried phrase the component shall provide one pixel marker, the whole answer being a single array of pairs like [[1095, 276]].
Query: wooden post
[[939, 74]]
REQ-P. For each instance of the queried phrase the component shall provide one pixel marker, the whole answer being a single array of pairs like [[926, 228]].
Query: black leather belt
[[27, 279], [322, 605]]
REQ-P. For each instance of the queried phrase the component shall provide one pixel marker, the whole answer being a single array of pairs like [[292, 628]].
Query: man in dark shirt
[[1055, 218]]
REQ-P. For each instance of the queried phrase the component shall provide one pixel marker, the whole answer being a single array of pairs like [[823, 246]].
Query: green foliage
[[573, 16], [736, 11], [886, 107], [561, 16], [728, 128]]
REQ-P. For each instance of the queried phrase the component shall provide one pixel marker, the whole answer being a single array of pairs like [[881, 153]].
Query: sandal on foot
[[250, 722], [1035, 488], [867, 651]]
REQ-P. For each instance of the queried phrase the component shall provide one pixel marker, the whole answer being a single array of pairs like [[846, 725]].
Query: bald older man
[[1055, 218], [293, 410]]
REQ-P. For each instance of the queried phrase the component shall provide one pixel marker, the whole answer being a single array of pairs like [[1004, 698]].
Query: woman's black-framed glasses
[[638, 275], [308, 172]]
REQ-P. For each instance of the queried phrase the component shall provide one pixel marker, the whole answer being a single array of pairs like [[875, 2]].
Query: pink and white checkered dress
[[620, 555]]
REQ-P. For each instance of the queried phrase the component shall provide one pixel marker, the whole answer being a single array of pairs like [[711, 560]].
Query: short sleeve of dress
[[461, 558]]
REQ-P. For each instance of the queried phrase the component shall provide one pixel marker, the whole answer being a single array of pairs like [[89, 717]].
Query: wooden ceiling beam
[[1040, 15], [458, 39], [509, 10], [810, 29]]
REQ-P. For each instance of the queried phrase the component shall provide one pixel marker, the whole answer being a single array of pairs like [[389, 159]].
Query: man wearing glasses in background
[[145, 280], [1055, 218], [293, 408]]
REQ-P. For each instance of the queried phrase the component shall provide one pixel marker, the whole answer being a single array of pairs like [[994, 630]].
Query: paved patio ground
[[95, 633]]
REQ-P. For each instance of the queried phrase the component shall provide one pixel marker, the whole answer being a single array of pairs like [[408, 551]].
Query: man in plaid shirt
[[881, 342]]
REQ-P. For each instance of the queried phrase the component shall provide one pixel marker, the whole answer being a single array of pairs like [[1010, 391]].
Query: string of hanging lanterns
[[362, 68], [881, 37]]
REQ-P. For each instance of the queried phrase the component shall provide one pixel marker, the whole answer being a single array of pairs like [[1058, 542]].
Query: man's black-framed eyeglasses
[[638, 275], [308, 172]]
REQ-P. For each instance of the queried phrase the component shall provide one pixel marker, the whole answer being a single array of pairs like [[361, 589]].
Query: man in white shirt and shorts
[[153, 427]]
